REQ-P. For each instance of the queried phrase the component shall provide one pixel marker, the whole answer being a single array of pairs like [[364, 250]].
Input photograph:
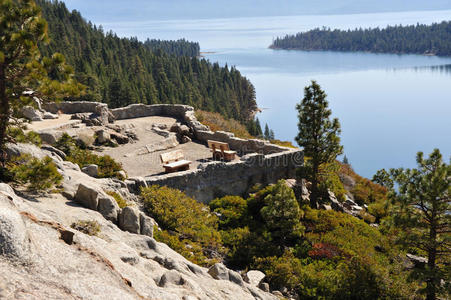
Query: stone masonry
[[261, 162]]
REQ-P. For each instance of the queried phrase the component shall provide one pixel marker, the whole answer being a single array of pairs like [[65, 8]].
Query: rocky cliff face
[[42, 257]]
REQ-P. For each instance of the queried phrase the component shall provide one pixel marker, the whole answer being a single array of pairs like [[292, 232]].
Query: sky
[[144, 10]]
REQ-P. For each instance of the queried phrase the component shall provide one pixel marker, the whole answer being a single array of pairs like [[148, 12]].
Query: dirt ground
[[62, 121], [134, 158], [137, 164]]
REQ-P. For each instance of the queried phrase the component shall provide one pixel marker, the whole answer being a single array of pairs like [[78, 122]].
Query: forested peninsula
[[122, 71], [432, 39]]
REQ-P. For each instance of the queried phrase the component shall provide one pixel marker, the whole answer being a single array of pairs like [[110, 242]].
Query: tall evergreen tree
[[318, 135], [271, 135], [258, 128], [266, 134], [147, 72], [22, 68], [345, 160], [422, 215]]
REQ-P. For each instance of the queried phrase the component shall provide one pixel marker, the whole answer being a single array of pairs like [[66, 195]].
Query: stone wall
[[261, 162], [202, 133], [216, 179], [95, 110]]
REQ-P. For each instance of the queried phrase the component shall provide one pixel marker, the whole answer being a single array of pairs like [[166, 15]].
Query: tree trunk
[[314, 189], [4, 114], [431, 282]]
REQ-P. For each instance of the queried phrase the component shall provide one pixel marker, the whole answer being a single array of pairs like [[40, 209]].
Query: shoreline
[[350, 51]]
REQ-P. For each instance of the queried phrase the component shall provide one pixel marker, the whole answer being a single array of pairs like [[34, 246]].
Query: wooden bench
[[221, 150], [174, 161]]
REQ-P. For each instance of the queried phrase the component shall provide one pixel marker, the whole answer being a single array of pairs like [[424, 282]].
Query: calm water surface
[[390, 106]]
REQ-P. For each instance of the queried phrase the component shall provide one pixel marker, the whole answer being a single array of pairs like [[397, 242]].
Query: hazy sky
[[138, 10]]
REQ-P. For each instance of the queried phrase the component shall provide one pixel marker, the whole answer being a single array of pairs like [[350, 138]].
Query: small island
[[432, 39]]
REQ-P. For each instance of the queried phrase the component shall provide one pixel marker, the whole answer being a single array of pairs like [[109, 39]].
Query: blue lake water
[[389, 106]]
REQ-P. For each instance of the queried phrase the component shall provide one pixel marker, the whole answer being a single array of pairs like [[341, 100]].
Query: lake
[[389, 106]]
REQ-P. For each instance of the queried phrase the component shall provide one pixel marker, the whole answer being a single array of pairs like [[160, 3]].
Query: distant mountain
[[139, 10]]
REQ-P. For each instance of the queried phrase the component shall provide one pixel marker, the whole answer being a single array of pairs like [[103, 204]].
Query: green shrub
[[120, 201], [188, 219], [66, 144], [40, 174], [368, 218], [365, 191], [87, 227], [192, 251], [108, 167], [232, 209], [20, 136]]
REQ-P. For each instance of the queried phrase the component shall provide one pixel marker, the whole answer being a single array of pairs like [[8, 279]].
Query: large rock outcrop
[[115, 264]]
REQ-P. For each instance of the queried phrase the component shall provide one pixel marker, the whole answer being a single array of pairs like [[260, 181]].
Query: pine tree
[[318, 135], [345, 160], [22, 68], [271, 135], [421, 213], [266, 134], [258, 128]]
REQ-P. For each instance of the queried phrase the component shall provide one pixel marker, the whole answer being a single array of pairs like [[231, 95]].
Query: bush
[[40, 174], [365, 191], [19, 136], [283, 143], [87, 227], [188, 219], [232, 210], [108, 167], [217, 122], [120, 201]]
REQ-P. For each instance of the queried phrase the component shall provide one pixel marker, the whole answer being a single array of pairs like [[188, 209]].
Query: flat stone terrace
[[136, 159]]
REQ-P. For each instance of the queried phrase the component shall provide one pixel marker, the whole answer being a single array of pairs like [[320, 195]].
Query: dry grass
[[217, 122]]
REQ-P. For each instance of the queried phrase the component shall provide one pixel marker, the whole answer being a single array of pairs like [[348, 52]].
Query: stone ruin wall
[[261, 162]]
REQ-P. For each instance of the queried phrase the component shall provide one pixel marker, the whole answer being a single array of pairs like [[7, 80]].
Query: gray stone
[[108, 207], [171, 277], [15, 150], [325, 207], [130, 259], [87, 196], [264, 286], [6, 189], [129, 219], [159, 131], [254, 277], [235, 277], [146, 224], [54, 150], [49, 116], [13, 234], [95, 113], [92, 170], [31, 113], [185, 139], [277, 293], [418, 261], [219, 271], [195, 269], [37, 103], [103, 136], [175, 127], [120, 138], [50, 136], [183, 130], [122, 174]]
